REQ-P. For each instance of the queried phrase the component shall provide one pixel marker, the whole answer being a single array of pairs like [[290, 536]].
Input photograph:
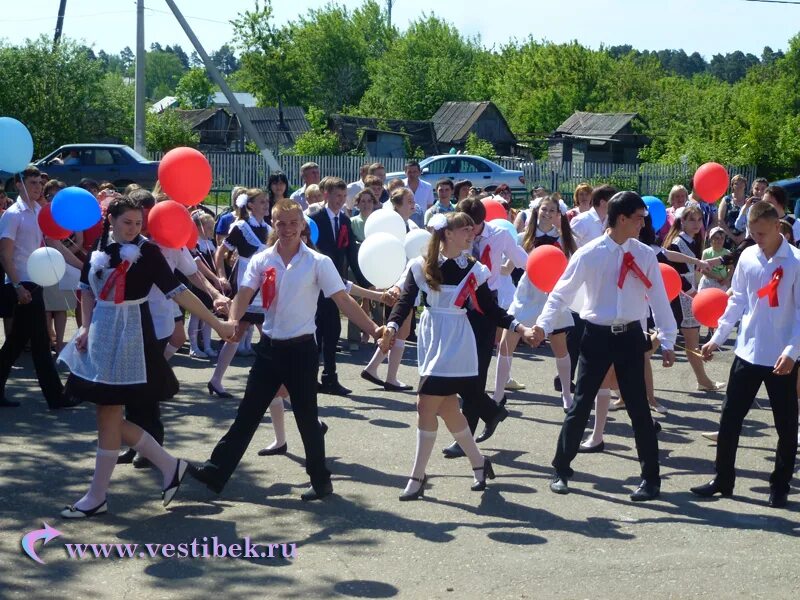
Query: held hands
[[223, 285], [708, 350], [388, 298], [222, 305], [783, 366], [386, 340], [667, 358], [534, 336], [228, 330], [82, 339], [23, 296]]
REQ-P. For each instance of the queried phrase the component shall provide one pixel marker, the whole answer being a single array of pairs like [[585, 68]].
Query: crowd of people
[[283, 268]]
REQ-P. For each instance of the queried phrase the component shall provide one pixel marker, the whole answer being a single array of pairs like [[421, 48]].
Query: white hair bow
[[438, 221], [241, 200]]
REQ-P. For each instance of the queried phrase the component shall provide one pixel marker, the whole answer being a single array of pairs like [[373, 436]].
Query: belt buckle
[[618, 328]]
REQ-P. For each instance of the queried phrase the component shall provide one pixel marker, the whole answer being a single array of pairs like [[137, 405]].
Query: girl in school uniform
[[115, 358], [449, 282], [248, 236]]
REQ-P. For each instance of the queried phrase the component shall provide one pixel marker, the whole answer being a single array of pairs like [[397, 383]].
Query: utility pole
[[138, 115], [62, 7], [237, 108], [389, 12]]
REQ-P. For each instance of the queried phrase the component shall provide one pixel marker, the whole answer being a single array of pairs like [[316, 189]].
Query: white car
[[480, 171]]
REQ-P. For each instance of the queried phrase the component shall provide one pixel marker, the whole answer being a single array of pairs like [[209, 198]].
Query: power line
[[774, 1]]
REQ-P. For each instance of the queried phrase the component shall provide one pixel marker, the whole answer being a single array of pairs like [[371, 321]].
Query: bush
[[479, 147], [167, 130]]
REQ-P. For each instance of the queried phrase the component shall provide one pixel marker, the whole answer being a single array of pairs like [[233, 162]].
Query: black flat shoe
[[140, 462], [65, 402], [391, 387], [314, 494], [707, 490], [180, 472], [502, 403], [126, 456], [453, 451], [488, 473], [4, 403], [408, 496], [334, 389], [274, 451], [646, 491], [558, 485], [213, 390], [372, 379], [323, 426], [592, 449], [70, 512], [778, 499], [202, 475], [492, 425]]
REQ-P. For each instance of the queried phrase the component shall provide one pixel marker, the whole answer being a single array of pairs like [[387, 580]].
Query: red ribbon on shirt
[[468, 291], [117, 281], [268, 288], [343, 239], [486, 257], [771, 289], [629, 264]]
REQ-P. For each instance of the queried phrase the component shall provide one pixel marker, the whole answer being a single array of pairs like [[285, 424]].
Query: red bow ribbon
[[468, 291], [486, 257], [771, 289], [117, 281], [629, 264], [343, 240], [268, 288]]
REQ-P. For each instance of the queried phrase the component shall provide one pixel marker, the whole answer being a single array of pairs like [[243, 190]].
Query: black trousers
[[743, 383], [294, 366], [600, 349], [30, 323], [329, 328], [476, 404], [574, 336], [148, 416]]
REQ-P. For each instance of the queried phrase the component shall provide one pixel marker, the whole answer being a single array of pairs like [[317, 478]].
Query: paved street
[[516, 540]]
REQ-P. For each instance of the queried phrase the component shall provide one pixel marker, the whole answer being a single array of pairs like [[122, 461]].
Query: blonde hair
[[675, 189], [430, 269]]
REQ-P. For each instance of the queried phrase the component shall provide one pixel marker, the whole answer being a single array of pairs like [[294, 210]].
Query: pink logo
[[29, 540]]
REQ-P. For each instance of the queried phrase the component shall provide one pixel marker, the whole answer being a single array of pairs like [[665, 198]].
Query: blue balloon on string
[[16, 148], [657, 210], [75, 209], [312, 226]]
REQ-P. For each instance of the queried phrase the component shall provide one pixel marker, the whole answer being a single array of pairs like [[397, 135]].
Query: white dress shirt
[[501, 244], [352, 191], [299, 196], [19, 223], [423, 197], [597, 265], [162, 309], [587, 226], [766, 332], [297, 288], [332, 215]]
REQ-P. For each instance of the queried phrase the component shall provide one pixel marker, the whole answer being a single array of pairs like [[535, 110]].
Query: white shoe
[[197, 353], [616, 405], [659, 408], [710, 435], [715, 387], [513, 385]]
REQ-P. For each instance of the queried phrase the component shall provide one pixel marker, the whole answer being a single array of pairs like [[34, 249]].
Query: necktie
[[335, 227]]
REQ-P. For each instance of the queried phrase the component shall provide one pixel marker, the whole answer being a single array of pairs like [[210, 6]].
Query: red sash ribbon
[[117, 281], [343, 239], [468, 291], [486, 257], [268, 288], [771, 289], [629, 264]]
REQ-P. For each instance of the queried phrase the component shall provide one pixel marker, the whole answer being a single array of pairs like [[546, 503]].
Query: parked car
[[480, 171], [117, 163]]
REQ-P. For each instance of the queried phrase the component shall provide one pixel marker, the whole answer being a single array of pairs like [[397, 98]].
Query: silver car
[[480, 171]]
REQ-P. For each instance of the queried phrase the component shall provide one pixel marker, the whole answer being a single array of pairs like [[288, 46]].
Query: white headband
[[437, 221], [241, 200]]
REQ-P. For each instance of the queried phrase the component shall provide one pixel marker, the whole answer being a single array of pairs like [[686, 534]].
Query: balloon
[[169, 224], [494, 210], [708, 306], [16, 150], [545, 266], [49, 227], [657, 210], [75, 209], [507, 225], [710, 182], [312, 226], [416, 243], [382, 258], [672, 281], [385, 221], [46, 266], [185, 175], [194, 237]]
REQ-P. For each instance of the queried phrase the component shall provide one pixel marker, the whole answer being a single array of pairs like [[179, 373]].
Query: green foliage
[[163, 70], [166, 130], [314, 143], [479, 147], [194, 89]]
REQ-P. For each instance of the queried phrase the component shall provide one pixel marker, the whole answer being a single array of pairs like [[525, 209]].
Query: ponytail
[[430, 268]]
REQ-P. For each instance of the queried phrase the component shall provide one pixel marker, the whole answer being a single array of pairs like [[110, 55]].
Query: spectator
[[729, 210], [582, 201], [461, 189], [315, 199], [423, 192], [356, 186], [366, 203], [309, 173], [444, 204], [379, 171], [227, 216], [277, 185]]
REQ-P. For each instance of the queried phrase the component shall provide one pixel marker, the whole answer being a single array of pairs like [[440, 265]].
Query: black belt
[[288, 342], [615, 329]]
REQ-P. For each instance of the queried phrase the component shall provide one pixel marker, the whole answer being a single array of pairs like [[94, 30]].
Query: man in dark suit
[[336, 241]]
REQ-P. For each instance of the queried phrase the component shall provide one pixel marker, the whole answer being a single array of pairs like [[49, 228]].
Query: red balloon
[[672, 281], [708, 306], [49, 226], [545, 266], [494, 210], [194, 236], [169, 224], [185, 175], [710, 182]]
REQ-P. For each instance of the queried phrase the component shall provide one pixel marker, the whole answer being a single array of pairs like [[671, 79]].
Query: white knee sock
[[425, 443], [470, 448], [170, 351], [148, 447], [395, 358], [223, 362], [375, 362], [104, 464], [501, 375], [276, 412], [601, 403], [194, 329], [562, 366]]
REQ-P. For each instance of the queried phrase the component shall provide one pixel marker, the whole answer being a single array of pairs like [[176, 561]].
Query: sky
[[706, 26]]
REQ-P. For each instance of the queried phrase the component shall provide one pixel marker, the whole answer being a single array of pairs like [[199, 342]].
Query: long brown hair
[[529, 241], [677, 227], [431, 270]]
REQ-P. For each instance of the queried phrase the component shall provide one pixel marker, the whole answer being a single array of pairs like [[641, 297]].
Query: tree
[[128, 59], [182, 56], [163, 70], [194, 89], [166, 130], [479, 147], [225, 60]]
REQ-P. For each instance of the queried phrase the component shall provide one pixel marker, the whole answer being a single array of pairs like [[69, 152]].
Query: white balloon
[[385, 221], [46, 266], [416, 243], [382, 259], [580, 299]]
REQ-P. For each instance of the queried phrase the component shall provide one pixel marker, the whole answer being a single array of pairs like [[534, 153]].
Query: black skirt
[[436, 385]]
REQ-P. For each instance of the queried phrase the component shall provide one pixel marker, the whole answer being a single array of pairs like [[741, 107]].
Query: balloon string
[[688, 350]]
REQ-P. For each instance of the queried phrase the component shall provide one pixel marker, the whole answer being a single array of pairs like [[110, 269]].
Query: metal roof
[[246, 99], [195, 117], [267, 121], [453, 120], [588, 125]]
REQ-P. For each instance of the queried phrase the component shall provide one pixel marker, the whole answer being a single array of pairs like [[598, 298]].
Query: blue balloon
[[657, 210], [312, 225], [507, 225], [16, 148], [75, 209]]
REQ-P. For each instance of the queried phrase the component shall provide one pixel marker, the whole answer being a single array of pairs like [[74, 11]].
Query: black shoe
[[314, 494], [558, 485], [372, 379], [213, 390], [502, 403], [65, 402], [592, 449], [140, 462], [390, 387], [202, 475], [453, 451], [405, 497], [557, 383], [707, 490], [323, 426], [8, 403], [334, 388], [656, 425], [492, 425], [646, 491], [778, 499], [70, 512], [180, 472], [274, 451], [488, 473], [126, 456]]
